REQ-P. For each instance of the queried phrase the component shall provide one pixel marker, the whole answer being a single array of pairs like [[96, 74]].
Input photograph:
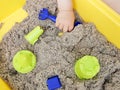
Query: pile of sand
[[57, 55]]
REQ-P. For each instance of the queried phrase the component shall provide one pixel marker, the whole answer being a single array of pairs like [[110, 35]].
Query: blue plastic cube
[[53, 83]]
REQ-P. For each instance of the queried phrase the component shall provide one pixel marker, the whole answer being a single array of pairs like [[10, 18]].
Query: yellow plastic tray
[[10, 13], [3, 85], [106, 19]]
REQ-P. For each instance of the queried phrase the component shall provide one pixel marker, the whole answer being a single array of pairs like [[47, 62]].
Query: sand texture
[[57, 55]]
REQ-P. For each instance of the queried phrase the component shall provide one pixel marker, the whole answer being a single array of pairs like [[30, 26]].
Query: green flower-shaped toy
[[87, 67], [24, 61]]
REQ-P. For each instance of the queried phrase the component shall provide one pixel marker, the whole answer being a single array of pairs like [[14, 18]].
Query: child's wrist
[[65, 5], [65, 8]]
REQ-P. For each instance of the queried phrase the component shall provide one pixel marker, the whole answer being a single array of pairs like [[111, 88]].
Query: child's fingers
[[61, 26], [70, 28], [65, 29], [57, 24]]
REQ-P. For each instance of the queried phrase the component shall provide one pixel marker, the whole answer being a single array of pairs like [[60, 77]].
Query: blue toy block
[[54, 83]]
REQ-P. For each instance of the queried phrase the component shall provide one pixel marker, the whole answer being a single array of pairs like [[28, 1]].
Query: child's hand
[[65, 20]]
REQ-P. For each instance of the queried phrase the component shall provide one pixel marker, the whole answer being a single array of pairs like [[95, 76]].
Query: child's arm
[[65, 4], [65, 17]]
